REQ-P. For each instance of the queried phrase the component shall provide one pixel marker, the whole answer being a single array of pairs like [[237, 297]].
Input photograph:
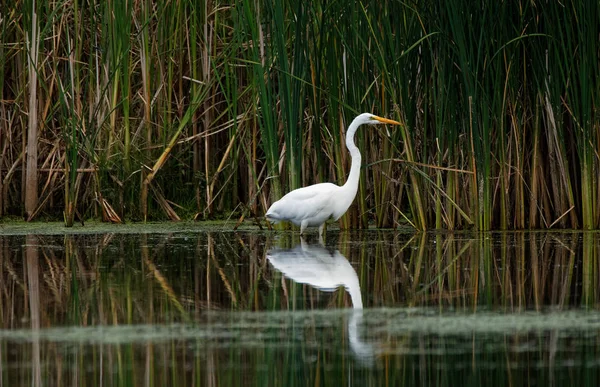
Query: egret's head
[[371, 119]]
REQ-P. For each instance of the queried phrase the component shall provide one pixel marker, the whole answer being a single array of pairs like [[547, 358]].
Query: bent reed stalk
[[184, 110]]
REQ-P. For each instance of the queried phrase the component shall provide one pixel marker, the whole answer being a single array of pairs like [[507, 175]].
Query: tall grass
[[148, 110]]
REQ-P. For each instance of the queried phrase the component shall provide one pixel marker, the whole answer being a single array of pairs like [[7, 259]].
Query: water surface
[[187, 307]]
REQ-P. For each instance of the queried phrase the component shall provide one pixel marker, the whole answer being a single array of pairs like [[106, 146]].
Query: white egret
[[315, 204]]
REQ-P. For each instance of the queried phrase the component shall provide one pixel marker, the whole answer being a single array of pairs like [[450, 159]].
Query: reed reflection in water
[[209, 309]]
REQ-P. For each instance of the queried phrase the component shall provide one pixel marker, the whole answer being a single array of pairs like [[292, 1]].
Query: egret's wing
[[304, 203], [310, 192]]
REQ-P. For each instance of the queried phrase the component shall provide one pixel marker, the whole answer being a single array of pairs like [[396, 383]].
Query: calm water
[[368, 309]]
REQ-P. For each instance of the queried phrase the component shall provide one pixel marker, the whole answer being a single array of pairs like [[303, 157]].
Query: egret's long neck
[[352, 182], [353, 287]]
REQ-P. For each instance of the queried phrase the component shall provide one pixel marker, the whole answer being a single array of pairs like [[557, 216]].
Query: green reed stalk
[[407, 93], [437, 105], [125, 17], [333, 129], [513, 137], [146, 71], [290, 78], [315, 94], [194, 59], [227, 80], [168, 31], [380, 26], [71, 156], [503, 159], [114, 54], [561, 182], [207, 43], [249, 20], [576, 71], [467, 34]]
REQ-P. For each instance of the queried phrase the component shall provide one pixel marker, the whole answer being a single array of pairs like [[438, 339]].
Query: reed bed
[[176, 110]]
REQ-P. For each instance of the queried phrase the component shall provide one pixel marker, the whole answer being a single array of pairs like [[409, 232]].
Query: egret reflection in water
[[325, 270]]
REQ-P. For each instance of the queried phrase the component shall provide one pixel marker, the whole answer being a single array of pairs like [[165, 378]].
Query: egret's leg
[[321, 227], [303, 243], [303, 226]]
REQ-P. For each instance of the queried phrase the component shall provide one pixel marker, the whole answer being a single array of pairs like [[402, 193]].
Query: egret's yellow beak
[[385, 120]]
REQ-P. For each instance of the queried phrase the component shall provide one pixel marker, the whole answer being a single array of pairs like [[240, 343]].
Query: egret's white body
[[315, 204]]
